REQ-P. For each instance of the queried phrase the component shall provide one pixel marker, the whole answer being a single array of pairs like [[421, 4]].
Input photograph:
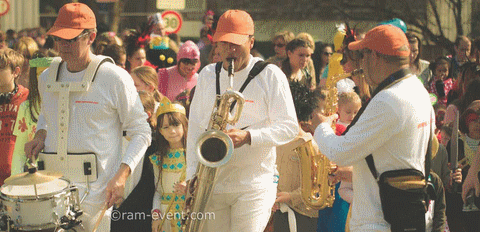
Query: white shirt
[[395, 129], [268, 113], [97, 119]]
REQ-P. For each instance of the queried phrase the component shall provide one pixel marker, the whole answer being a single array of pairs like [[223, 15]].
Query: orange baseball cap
[[72, 19], [234, 26], [384, 39]]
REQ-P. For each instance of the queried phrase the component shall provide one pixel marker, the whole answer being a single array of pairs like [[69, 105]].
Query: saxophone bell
[[215, 148]]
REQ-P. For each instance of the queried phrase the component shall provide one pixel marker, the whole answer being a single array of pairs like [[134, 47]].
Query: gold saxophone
[[317, 192], [214, 148]]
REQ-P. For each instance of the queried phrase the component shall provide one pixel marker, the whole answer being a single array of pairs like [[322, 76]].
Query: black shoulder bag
[[403, 193]]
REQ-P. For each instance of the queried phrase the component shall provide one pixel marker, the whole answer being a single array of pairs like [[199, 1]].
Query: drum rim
[[43, 226], [42, 197]]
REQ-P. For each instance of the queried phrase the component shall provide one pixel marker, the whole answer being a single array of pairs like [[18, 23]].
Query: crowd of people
[[146, 98]]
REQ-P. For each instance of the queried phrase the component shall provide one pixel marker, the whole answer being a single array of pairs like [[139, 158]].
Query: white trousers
[[247, 211]]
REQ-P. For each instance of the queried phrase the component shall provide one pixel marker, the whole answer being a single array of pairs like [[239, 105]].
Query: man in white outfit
[[394, 127], [97, 117], [245, 190]]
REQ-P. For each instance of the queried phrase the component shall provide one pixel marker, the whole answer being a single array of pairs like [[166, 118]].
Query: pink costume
[[170, 82]]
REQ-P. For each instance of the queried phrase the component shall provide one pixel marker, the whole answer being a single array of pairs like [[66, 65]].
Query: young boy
[[11, 96]]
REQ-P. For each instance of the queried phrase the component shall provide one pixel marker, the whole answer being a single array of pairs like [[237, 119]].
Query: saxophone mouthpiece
[[230, 66]]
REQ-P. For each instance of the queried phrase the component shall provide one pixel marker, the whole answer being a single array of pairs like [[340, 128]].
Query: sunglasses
[[328, 53], [58, 39], [279, 45], [189, 61]]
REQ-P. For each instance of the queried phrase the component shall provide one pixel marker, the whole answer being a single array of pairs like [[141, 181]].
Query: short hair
[[307, 37], [287, 36], [10, 58], [348, 97]]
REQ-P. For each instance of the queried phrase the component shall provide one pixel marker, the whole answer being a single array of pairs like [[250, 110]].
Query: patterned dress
[[173, 171]]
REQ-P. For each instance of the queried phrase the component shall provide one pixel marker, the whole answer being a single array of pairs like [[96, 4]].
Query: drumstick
[[100, 217]]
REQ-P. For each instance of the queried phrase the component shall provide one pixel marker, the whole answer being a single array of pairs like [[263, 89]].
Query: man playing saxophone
[[387, 140], [244, 190]]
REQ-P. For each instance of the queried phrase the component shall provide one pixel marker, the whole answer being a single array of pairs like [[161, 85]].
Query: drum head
[[43, 189]]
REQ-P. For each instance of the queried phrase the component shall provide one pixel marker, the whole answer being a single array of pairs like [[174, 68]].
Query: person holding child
[[169, 166]]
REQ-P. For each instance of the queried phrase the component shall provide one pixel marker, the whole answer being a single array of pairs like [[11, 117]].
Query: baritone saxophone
[[317, 191], [214, 149]]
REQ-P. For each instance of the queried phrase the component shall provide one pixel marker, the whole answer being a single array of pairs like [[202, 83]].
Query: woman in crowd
[[280, 40], [298, 54], [176, 79], [321, 59], [418, 66]]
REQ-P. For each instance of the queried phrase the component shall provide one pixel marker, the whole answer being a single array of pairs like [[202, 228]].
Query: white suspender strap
[[64, 89]]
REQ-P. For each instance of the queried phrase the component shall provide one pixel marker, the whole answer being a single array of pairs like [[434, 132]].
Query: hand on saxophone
[[318, 118], [239, 137]]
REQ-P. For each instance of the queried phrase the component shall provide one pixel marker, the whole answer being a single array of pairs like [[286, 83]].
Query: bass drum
[[43, 212]]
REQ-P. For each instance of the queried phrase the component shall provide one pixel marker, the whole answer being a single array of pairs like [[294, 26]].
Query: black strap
[[218, 69], [384, 84], [257, 68]]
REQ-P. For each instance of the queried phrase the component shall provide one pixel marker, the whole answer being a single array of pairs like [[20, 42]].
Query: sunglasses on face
[[328, 53], [279, 45], [189, 61], [58, 39]]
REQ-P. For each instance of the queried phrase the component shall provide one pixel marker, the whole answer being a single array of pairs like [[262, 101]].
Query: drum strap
[[64, 89]]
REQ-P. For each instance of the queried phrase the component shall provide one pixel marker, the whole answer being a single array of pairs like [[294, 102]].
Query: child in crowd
[[348, 105], [440, 84], [169, 167], [289, 203], [26, 123], [145, 79], [11, 96]]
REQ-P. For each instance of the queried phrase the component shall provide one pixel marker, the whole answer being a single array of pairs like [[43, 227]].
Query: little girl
[[440, 84], [348, 105], [169, 167], [145, 79]]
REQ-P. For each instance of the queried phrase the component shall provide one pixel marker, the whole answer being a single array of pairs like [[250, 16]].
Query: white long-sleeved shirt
[[97, 119], [268, 113], [395, 129]]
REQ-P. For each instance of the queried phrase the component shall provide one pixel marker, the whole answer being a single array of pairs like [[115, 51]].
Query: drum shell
[[36, 213]]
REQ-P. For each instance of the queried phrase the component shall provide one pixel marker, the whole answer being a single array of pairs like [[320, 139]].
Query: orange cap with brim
[[384, 39], [72, 19], [234, 26]]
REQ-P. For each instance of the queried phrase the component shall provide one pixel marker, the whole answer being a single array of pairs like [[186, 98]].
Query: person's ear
[[92, 37], [16, 72]]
